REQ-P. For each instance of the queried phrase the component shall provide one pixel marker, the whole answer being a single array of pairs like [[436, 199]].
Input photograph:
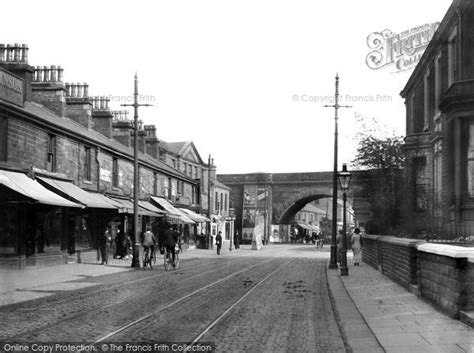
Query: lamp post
[[336, 106], [136, 181], [344, 180]]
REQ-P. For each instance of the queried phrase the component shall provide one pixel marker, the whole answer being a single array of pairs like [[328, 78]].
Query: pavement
[[374, 313]]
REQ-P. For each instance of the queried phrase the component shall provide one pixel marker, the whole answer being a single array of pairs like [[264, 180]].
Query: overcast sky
[[244, 80]]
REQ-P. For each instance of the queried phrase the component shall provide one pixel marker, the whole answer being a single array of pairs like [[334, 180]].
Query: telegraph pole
[[336, 106], [209, 236], [136, 180]]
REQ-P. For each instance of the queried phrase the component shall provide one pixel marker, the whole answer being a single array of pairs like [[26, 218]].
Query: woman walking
[[356, 243]]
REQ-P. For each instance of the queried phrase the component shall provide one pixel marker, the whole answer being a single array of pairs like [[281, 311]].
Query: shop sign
[[12, 88]]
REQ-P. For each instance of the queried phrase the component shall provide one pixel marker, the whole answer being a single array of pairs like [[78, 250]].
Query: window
[[437, 172], [426, 100], [222, 203], [438, 83], [470, 160], [173, 188], [51, 153], [452, 58], [87, 164], [115, 173], [155, 183], [166, 188], [3, 139], [216, 202], [225, 203], [411, 114]]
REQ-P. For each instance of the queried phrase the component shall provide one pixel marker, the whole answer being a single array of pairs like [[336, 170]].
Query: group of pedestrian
[[355, 245], [123, 243]]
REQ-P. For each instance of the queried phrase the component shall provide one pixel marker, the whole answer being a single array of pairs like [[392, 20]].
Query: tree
[[381, 161]]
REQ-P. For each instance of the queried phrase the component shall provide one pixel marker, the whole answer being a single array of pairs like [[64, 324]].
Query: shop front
[[34, 222]]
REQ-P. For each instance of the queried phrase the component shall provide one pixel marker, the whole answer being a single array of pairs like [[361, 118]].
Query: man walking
[[219, 242]]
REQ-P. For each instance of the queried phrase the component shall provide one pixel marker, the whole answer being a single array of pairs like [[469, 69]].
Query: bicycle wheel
[[150, 260], [167, 261], [176, 261], [145, 259]]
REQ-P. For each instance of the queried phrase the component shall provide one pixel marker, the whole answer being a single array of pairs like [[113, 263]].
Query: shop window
[[87, 164], [3, 139], [51, 164]]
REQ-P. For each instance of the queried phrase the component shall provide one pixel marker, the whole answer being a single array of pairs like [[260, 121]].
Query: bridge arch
[[294, 205]]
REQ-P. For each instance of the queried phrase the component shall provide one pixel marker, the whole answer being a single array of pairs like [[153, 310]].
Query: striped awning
[[30, 188]]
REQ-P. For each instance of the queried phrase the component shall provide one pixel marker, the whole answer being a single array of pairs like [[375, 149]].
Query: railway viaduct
[[287, 193]]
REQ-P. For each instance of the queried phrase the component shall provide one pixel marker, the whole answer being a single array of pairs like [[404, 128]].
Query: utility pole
[[209, 236], [136, 180], [336, 106]]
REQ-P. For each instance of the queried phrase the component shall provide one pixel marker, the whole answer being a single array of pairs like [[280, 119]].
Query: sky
[[245, 80]]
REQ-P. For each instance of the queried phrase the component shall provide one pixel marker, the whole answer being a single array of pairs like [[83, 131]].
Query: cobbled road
[[272, 300]]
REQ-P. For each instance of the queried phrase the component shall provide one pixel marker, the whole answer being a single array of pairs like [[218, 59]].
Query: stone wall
[[394, 257], [440, 274], [446, 277]]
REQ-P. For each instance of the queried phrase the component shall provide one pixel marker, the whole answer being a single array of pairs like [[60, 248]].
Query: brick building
[[66, 167], [439, 144]]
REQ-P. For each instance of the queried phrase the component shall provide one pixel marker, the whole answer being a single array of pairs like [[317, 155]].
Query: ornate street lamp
[[231, 219], [344, 178]]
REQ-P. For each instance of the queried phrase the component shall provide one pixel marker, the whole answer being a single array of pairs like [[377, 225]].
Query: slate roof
[[72, 127]]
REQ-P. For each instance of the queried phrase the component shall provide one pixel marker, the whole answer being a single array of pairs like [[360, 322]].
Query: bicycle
[[168, 262], [149, 258]]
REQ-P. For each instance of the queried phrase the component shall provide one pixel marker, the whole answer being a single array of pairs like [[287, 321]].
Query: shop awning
[[28, 187], [126, 206], [87, 198], [171, 211], [194, 216], [148, 206], [305, 225]]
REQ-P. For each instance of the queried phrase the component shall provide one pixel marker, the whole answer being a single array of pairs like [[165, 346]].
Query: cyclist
[[149, 242], [169, 241]]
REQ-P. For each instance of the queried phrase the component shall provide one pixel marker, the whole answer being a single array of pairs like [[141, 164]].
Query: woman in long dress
[[356, 243]]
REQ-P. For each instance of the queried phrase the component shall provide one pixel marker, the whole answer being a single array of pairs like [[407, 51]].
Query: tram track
[[152, 321], [107, 288], [126, 302]]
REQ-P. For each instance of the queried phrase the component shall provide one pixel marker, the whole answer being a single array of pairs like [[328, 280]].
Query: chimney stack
[[48, 89], [78, 104], [122, 127], [102, 116], [14, 58], [152, 142]]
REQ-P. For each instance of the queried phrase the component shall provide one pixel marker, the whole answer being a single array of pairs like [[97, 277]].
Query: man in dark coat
[[170, 237], [219, 242]]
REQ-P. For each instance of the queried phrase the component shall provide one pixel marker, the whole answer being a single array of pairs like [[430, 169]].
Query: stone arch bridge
[[286, 194]]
